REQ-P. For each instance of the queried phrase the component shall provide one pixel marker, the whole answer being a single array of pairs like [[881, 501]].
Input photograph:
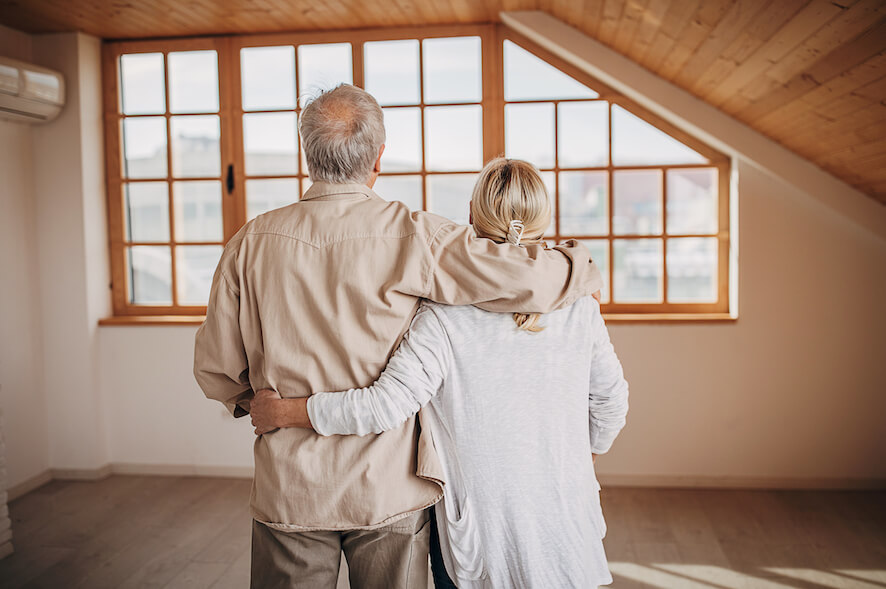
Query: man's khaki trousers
[[392, 557]]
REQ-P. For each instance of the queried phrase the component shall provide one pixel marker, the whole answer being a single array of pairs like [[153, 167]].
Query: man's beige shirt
[[315, 297]]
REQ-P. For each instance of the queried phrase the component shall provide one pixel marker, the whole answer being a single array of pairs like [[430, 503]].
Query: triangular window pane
[[636, 142], [530, 78]]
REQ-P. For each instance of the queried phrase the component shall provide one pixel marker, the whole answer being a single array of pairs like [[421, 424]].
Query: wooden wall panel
[[810, 74]]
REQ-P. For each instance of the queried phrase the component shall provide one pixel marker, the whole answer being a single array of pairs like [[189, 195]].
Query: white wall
[[795, 388], [790, 394], [159, 416], [72, 238], [21, 366]]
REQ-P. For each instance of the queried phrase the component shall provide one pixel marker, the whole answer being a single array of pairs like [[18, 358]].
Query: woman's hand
[[265, 411]]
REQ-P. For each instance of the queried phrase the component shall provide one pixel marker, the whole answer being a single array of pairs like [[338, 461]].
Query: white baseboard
[[81, 474], [235, 472], [607, 480], [29, 485], [730, 482]]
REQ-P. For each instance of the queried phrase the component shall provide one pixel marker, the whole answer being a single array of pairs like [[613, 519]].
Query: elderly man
[[315, 297]]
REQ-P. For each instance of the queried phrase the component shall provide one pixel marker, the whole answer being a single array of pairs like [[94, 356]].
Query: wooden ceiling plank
[[649, 25], [705, 20], [860, 153], [867, 45], [875, 91], [675, 21], [569, 12], [850, 80], [593, 11], [763, 26], [838, 107], [612, 11], [851, 54], [810, 19], [730, 26], [846, 132], [842, 29], [627, 28]]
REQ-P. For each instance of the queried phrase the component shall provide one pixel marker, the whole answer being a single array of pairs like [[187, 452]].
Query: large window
[[202, 135]]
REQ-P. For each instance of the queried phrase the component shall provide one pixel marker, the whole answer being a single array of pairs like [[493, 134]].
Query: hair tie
[[515, 233]]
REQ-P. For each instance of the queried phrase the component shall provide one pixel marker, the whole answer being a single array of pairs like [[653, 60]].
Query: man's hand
[[265, 411]]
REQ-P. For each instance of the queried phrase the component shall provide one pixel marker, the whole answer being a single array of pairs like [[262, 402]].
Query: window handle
[[229, 182]]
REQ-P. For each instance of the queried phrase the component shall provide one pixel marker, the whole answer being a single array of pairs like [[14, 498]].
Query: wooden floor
[[134, 531]]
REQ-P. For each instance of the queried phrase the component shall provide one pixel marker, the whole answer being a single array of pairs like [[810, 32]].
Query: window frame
[[232, 152]]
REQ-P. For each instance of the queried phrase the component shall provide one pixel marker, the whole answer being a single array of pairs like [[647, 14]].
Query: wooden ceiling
[[810, 74]]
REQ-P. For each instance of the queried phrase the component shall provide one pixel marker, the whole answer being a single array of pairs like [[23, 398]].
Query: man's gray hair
[[341, 132]]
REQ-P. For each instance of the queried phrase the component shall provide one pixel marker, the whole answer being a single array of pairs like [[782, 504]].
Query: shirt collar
[[328, 191]]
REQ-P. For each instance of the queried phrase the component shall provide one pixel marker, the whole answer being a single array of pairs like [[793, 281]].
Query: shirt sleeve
[[413, 375], [467, 270], [608, 394], [220, 363]]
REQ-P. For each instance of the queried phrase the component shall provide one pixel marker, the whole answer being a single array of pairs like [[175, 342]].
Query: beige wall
[[54, 263], [791, 394], [21, 370], [72, 240]]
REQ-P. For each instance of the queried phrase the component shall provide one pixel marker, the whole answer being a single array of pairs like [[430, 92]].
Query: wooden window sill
[[669, 318], [130, 320]]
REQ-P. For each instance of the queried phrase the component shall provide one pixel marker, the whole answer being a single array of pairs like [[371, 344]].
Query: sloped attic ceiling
[[810, 74]]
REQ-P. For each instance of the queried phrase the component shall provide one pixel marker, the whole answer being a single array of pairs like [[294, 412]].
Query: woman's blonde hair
[[510, 203]]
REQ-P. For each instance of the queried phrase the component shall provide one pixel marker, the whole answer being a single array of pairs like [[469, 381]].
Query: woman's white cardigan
[[514, 417]]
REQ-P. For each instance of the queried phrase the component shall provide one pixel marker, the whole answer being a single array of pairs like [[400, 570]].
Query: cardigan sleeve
[[413, 375], [608, 392]]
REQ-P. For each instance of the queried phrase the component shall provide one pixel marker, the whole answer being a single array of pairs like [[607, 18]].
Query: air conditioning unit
[[29, 93]]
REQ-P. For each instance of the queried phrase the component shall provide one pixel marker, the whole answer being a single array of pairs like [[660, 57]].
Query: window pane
[[600, 254], [584, 203], [636, 142], [193, 81], [637, 202], [270, 143], [403, 143], [392, 71], [198, 211], [692, 201], [452, 70], [195, 147], [449, 195], [194, 267], [144, 146], [147, 211], [529, 133], [548, 179], [637, 273], [453, 138], [150, 275], [266, 195], [530, 78], [268, 77], [406, 189], [583, 134], [141, 80], [322, 67], [692, 270]]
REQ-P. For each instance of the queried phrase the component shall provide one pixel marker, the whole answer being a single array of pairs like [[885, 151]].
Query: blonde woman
[[516, 406]]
